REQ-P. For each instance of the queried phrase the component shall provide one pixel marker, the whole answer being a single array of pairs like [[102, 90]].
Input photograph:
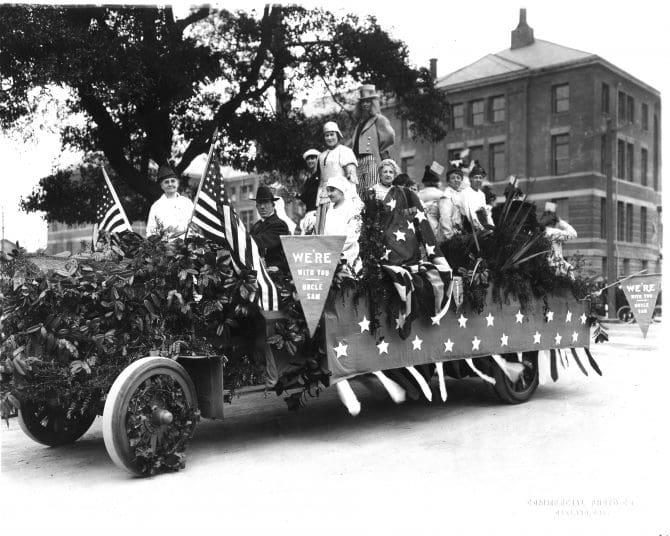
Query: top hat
[[310, 152], [331, 126], [368, 91], [264, 194], [165, 172]]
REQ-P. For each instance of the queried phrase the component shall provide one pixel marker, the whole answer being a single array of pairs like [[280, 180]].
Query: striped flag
[[219, 222], [110, 215]]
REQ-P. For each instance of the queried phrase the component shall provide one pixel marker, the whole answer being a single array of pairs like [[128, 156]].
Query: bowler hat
[[264, 194], [165, 172], [368, 91]]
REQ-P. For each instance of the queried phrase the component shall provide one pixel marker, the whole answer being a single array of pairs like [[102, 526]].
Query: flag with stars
[[110, 215], [219, 222]]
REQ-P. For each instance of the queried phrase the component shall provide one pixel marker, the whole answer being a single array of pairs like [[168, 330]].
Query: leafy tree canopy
[[154, 88]]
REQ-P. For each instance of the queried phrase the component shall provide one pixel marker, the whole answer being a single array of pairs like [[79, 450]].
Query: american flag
[[219, 222], [110, 214]]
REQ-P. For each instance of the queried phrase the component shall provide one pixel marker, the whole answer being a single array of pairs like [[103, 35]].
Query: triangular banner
[[312, 260], [641, 292]]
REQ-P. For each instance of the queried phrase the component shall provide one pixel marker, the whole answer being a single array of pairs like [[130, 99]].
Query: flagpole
[[116, 198], [202, 179]]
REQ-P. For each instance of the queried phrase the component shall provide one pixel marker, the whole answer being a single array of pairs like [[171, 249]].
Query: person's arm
[[386, 135]]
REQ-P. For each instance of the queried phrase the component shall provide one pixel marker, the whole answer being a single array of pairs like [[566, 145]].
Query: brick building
[[540, 111]]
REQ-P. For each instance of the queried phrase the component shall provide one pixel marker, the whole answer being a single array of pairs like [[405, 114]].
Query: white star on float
[[489, 320], [400, 321], [575, 336], [436, 320], [383, 348], [536, 338], [391, 204], [365, 324], [504, 339], [475, 343], [519, 317], [420, 216], [550, 316], [568, 317], [583, 318], [341, 350], [410, 226], [557, 339], [430, 250], [448, 346], [399, 235], [385, 256], [416, 343], [462, 321]]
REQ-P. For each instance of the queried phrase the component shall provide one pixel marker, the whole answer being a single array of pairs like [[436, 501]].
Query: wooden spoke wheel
[[521, 390], [51, 424], [149, 416]]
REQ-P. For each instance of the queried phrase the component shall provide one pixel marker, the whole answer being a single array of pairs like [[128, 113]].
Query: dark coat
[[266, 233], [309, 191]]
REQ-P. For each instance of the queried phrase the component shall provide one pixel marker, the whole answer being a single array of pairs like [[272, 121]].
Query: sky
[[631, 35]]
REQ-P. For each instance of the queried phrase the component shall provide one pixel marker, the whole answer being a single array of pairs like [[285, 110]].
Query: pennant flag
[[110, 215], [219, 222], [641, 292], [312, 260]]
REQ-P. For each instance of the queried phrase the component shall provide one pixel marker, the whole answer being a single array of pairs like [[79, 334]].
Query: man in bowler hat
[[268, 229]]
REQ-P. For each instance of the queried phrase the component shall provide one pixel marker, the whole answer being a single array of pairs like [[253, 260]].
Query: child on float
[[451, 217], [343, 218]]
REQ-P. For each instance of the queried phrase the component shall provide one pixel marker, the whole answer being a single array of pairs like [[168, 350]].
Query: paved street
[[587, 455]]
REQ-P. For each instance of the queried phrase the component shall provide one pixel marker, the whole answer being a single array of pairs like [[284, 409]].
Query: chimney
[[523, 35], [433, 68]]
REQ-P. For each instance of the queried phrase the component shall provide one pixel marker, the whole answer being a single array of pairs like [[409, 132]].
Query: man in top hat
[[268, 229], [373, 138], [311, 184], [172, 212]]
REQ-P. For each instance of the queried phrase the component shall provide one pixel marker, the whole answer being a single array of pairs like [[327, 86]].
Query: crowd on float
[[415, 223]]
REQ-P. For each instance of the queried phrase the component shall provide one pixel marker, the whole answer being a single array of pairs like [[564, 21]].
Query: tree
[[155, 88]]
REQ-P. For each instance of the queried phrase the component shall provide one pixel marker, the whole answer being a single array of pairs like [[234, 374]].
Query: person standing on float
[[430, 196], [336, 160], [172, 212], [373, 138]]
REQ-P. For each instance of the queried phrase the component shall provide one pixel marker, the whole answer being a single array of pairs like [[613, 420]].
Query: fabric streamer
[[543, 366], [511, 370], [553, 364], [579, 363], [348, 397], [592, 362], [397, 393], [423, 384], [479, 373], [440, 379]]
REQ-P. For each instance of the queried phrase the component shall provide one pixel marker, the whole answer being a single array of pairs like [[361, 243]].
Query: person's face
[[331, 139], [334, 194], [311, 163], [476, 181], [388, 174], [170, 185], [414, 188], [366, 106], [265, 208], [454, 181]]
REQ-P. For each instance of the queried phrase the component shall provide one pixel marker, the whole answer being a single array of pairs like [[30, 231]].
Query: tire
[[657, 315], [50, 425], [522, 390], [624, 314], [132, 414]]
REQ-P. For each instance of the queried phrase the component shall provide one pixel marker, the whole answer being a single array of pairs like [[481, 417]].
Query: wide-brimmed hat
[[338, 181], [310, 152], [331, 126], [166, 172], [264, 194], [368, 91]]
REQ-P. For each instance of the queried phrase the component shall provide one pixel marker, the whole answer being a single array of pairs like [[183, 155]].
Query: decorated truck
[[155, 335]]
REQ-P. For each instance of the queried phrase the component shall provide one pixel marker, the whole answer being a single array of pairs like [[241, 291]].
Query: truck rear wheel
[[521, 390]]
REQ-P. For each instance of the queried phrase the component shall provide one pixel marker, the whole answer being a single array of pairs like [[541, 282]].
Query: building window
[[620, 222], [644, 265], [497, 160], [498, 109], [643, 225], [605, 98], [246, 192], [644, 166], [603, 266], [560, 154], [476, 153], [621, 107], [626, 267], [560, 98], [620, 158], [404, 129], [247, 217], [631, 108], [477, 112], [457, 116], [603, 154], [629, 161], [645, 116], [629, 222], [454, 155], [232, 193], [655, 153], [603, 217], [406, 164]]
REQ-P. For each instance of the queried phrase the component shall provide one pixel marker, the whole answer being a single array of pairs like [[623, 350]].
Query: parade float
[[154, 335]]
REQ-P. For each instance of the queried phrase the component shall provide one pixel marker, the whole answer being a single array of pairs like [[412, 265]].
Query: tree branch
[[182, 24]]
